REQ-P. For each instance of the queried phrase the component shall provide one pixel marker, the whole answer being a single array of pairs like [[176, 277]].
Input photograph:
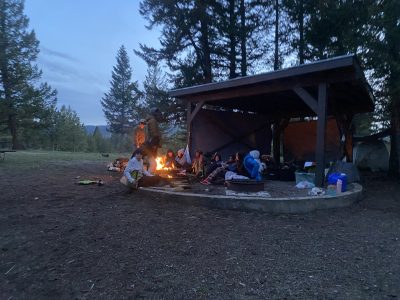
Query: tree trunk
[[204, 41], [301, 32], [243, 31], [232, 40], [276, 54], [12, 125]]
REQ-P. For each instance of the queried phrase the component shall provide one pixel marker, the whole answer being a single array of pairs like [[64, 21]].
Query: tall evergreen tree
[[297, 12], [156, 94], [186, 28], [382, 53], [23, 101], [238, 48], [121, 103]]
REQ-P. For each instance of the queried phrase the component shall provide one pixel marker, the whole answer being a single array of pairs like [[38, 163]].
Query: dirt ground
[[59, 240]]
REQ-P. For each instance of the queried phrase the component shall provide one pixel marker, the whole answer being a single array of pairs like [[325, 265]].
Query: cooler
[[334, 177]]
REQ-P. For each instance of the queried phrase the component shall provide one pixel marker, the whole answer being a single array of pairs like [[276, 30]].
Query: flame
[[169, 176], [161, 164]]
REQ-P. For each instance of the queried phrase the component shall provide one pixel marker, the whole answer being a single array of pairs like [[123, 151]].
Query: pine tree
[[99, 143], [69, 134], [121, 103], [186, 31], [23, 102], [382, 41], [155, 94]]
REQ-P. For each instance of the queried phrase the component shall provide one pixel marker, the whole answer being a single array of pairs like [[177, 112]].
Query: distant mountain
[[167, 130], [103, 130]]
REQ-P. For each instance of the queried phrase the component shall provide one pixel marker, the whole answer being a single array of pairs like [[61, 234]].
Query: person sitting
[[181, 161], [268, 160], [198, 163], [215, 162], [253, 165], [136, 175], [170, 159], [236, 167]]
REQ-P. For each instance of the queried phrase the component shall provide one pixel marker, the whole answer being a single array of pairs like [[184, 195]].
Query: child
[[170, 159], [136, 175], [215, 162], [198, 163], [235, 167], [181, 161]]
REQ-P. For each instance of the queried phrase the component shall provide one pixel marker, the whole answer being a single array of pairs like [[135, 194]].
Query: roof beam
[[307, 98], [195, 111], [269, 87]]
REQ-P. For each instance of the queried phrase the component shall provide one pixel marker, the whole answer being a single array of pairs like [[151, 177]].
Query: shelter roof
[[273, 93]]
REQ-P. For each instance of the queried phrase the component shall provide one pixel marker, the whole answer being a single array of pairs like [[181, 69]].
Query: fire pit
[[173, 176]]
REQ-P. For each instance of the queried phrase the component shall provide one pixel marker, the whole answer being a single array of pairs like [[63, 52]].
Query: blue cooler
[[333, 178]]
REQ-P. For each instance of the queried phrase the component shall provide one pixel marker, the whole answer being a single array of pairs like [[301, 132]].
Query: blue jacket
[[252, 167]]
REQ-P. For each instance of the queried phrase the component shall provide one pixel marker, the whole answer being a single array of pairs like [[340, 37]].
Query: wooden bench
[[3, 153]]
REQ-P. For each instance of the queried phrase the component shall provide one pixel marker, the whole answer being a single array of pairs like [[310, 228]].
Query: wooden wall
[[300, 139]]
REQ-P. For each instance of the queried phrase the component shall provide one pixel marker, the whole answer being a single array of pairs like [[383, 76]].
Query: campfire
[[172, 175], [161, 164], [163, 171]]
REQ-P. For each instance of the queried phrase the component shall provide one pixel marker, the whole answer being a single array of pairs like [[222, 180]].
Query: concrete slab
[[293, 205]]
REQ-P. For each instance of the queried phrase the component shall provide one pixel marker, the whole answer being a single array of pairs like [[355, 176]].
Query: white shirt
[[135, 165]]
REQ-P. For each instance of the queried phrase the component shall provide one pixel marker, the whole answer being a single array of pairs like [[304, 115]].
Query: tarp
[[229, 132]]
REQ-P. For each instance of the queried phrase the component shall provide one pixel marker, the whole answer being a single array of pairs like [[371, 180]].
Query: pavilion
[[251, 112]]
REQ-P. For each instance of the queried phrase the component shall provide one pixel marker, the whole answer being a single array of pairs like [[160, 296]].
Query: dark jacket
[[154, 134]]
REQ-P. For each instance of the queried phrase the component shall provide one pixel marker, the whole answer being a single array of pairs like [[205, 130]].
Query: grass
[[34, 159]]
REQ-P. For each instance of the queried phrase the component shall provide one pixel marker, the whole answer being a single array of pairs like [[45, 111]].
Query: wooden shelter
[[239, 112]]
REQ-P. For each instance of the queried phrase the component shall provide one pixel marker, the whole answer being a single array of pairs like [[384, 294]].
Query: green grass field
[[33, 159]]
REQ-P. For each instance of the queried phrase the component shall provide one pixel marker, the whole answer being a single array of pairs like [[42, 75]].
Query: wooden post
[[189, 124], [348, 135], [321, 133], [276, 142]]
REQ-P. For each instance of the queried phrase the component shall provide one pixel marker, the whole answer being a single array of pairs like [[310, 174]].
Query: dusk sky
[[79, 40]]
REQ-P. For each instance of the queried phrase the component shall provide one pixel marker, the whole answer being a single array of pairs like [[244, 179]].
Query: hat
[[142, 121]]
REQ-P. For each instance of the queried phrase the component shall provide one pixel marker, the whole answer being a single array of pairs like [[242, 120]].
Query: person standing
[[153, 138], [139, 135]]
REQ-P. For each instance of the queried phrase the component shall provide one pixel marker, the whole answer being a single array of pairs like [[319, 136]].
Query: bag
[[133, 184]]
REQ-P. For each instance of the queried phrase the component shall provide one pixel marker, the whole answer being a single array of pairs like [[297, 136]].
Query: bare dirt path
[[59, 240]]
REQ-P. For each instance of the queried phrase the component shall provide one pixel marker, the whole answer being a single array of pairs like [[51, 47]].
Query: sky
[[79, 41]]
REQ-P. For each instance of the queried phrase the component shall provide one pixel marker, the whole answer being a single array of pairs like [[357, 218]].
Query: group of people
[[147, 142], [238, 166], [182, 161]]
